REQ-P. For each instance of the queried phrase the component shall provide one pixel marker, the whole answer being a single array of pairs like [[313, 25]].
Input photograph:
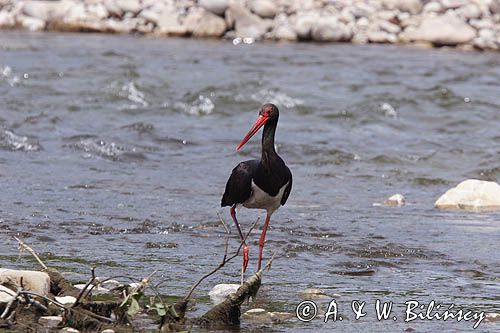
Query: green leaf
[[134, 307]]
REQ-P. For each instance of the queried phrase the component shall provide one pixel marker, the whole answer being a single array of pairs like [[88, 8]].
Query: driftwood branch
[[225, 259], [23, 246]]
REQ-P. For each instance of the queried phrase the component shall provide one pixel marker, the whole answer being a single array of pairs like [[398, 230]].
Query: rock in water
[[395, 200], [471, 194], [38, 282], [441, 30], [221, 291]]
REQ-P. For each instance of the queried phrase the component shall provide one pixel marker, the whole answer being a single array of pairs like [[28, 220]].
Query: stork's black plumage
[[261, 184]]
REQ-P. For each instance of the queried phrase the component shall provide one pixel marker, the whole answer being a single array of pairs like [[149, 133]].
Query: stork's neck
[[268, 151]]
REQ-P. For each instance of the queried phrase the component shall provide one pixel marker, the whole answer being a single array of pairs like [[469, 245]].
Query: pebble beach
[[465, 24]]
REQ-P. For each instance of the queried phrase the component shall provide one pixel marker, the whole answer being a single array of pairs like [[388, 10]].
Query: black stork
[[259, 184]]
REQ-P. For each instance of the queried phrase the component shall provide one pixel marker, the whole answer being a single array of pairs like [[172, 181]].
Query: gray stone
[[209, 25], [330, 30], [471, 194], [411, 6], [247, 24], [445, 29], [264, 8], [217, 7], [50, 321]]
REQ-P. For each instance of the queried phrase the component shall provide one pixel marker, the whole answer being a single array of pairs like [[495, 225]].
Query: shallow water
[[114, 153]]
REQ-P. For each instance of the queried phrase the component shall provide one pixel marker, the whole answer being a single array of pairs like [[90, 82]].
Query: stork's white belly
[[260, 199]]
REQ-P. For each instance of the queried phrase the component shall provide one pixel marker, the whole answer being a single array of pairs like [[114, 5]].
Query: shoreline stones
[[463, 24]]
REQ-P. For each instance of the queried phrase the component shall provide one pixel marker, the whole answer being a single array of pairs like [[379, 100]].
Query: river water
[[115, 150]]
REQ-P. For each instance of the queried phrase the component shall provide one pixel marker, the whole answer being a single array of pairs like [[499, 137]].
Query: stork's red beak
[[261, 120]]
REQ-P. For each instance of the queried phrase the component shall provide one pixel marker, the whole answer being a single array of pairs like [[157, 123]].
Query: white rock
[[328, 29], [395, 200], [217, 7], [314, 293], [7, 19], [38, 282], [132, 6], [113, 8], [483, 23], [258, 315], [69, 330], [389, 27], [411, 6], [494, 6], [470, 11], [65, 299], [209, 25], [98, 10], [169, 24], [31, 23], [50, 321], [264, 8], [433, 7], [304, 22], [280, 317], [445, 29], [221, 291], [47, 10], [95, 291], [375, 36], [492, 317], [284, 32], [6, 294], [472, 194], [247, 24], [452, 4], [109, 330]]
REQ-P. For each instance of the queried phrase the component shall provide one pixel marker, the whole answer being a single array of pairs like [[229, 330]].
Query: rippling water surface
[[114, 152]]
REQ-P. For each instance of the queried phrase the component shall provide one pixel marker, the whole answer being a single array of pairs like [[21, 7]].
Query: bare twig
[[23, 246], [80, 295], [225, 260]]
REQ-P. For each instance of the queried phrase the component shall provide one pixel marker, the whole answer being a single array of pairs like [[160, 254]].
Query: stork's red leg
[[245, 247], [262, 239]]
